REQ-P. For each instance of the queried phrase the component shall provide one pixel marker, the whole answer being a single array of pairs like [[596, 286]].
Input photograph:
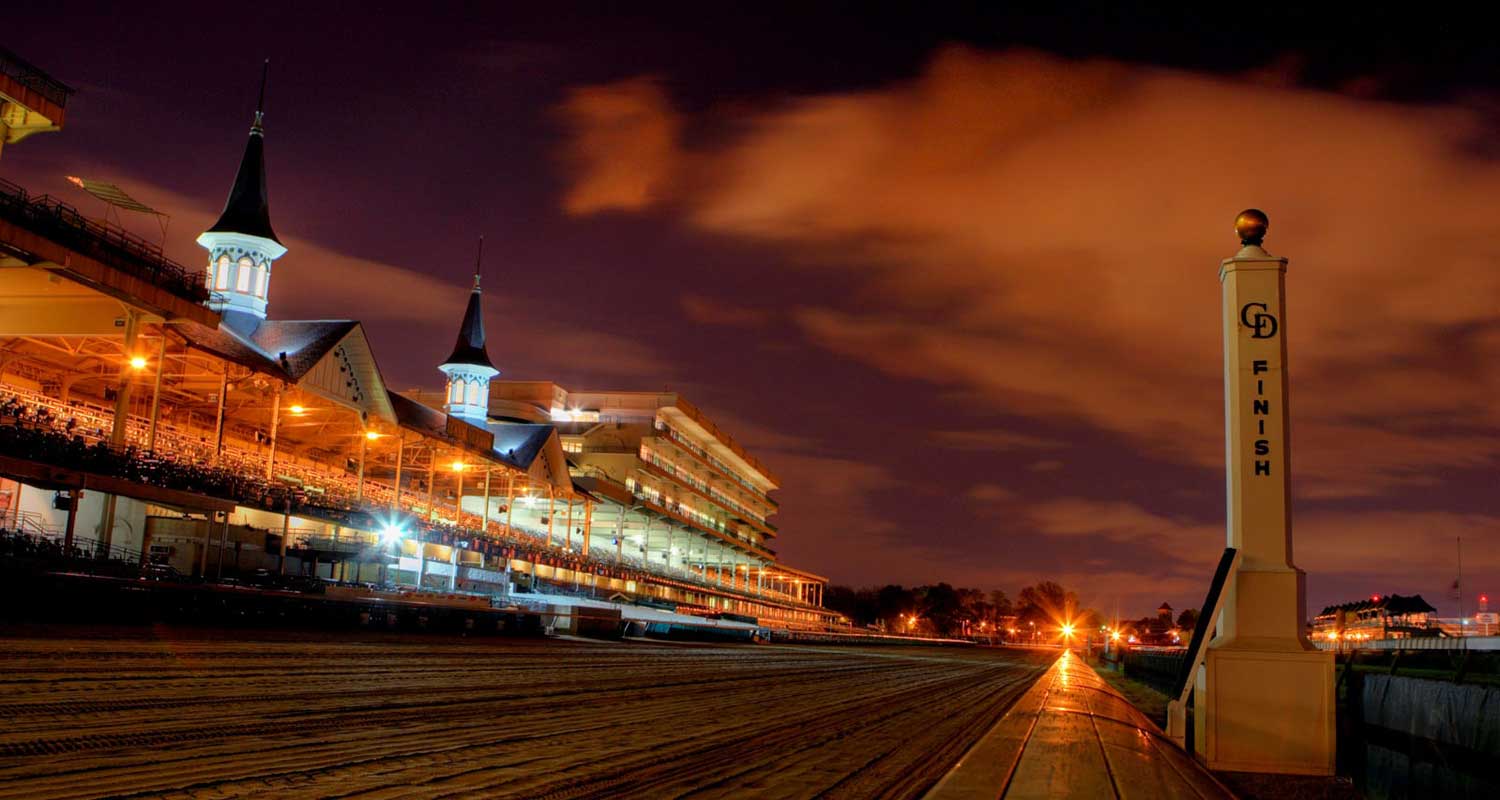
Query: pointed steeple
[[469, 369], [469, 349], [242, 247], [248, 209]]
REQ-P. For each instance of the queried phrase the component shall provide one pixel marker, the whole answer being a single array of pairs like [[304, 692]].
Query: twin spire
[[469, 349], [469, 369], [242, 246], [248, 209]]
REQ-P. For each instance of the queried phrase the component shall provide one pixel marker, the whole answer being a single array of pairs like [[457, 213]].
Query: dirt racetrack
[[189, 714]]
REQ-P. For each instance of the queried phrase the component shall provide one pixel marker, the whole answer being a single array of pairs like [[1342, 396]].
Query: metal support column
[[286, 533], [400, 457], [275, 429], [588, 524], [484, 522], [219, 415], [364, 449], [161, 367], [551, 512]]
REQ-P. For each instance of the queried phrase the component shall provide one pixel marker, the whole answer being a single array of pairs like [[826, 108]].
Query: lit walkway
[[1072, 735]]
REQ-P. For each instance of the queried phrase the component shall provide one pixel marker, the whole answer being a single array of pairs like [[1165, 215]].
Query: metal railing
[[29, 75], [49, 217]]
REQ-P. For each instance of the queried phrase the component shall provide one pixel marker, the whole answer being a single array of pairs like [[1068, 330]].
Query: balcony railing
[[25, 73], [55, 220]]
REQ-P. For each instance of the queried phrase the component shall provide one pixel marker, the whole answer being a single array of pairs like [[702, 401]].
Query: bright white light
[[138, 362], [392, 532], [297, 409], [371, 435]]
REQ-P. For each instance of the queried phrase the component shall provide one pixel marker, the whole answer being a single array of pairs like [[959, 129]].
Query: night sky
[[953, 277]]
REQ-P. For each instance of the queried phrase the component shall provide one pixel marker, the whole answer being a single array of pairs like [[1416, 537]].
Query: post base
[[1265, 710]]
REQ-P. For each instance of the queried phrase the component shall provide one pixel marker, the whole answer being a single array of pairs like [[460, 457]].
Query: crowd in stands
[[75, 436], [83, 555]]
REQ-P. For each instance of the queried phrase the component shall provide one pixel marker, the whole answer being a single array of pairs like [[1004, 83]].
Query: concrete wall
[[130, 515]]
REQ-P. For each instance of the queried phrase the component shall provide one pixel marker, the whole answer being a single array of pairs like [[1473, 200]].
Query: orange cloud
[[1046, 233], [625, 148]]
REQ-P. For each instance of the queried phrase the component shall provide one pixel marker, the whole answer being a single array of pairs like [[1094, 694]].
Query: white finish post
[[1264, 695]]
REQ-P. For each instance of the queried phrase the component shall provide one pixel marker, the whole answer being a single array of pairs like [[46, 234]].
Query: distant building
[[700, 501], [1391, 616]]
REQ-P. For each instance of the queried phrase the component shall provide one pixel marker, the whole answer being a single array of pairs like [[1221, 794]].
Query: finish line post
[[1264, 696]]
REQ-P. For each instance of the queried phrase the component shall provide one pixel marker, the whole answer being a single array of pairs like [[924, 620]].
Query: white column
[[1265, 695]]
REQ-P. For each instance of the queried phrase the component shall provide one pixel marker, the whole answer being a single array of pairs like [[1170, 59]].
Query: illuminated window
[[456, 391], [473, 394], [572, 446], [221, 274], [260, 280], [242, 275]]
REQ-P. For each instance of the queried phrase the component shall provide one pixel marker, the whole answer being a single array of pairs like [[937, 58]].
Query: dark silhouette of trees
[[945, 610]]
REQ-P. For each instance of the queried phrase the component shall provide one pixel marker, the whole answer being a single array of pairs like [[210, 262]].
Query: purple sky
[[953, 278]]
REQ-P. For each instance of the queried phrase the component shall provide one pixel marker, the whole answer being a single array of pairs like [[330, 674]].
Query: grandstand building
[[153, 412]]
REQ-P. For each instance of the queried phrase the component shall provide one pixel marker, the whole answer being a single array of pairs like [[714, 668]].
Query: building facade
[[154, 411]]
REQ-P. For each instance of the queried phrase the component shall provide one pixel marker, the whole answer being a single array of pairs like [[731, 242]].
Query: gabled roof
[[299, 344], [281, 348], [469, 349], [248, 209], [293, 350], [519, 444], [415, 416]]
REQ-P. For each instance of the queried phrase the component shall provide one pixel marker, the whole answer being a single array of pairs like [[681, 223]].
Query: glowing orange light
[[458, 466], [296, 409], [371, 435], [138, 362]]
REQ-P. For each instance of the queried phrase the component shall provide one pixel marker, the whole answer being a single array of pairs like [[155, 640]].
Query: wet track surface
[[183, 714]]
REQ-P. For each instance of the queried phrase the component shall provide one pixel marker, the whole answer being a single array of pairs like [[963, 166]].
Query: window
[[572, 446], [473, 397], [242, 275], [456, 391], [221, 274], [260, 280]]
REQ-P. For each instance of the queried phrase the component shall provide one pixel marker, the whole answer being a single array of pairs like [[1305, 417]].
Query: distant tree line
[[1039, 610]]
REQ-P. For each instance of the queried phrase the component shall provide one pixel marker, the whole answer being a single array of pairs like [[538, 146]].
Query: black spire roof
[[469, 349], [248, 209]]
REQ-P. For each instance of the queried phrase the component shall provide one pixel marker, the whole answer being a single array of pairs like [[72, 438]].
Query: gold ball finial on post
[[1251, 226]]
